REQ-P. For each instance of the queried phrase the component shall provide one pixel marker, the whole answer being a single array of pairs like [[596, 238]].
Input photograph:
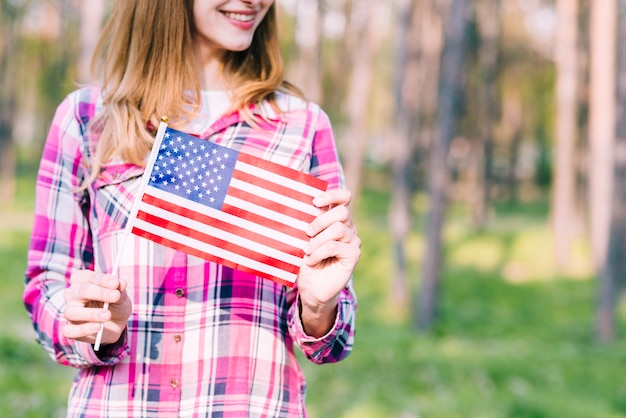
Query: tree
[[564, 187], [450, 93], [611, 277], [601, 124]]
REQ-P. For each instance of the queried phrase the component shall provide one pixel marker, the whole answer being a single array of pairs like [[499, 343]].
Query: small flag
[[227, 206]]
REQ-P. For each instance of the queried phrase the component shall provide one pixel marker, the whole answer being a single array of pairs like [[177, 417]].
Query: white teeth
[[239, 17]]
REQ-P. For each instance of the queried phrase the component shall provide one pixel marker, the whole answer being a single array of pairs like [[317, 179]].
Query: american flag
[[226, 206]]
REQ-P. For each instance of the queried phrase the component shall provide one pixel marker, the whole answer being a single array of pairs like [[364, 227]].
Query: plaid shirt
[[203, 339]]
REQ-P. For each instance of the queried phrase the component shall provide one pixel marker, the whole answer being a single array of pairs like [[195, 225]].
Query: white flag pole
[[133, 213]]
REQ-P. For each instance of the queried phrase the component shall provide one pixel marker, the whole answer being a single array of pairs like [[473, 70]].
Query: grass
[[514, 336]]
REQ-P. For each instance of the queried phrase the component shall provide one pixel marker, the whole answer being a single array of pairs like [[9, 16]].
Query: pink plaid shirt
[[203, 339]]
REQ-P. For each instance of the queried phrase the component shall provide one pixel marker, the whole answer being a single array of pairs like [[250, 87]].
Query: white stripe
[[278, 179], [221, 234], [216, 251], [231, 219], [275, 197], [265, 212]]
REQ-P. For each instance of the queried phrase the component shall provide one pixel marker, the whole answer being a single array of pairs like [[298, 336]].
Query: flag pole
[[133, 213]]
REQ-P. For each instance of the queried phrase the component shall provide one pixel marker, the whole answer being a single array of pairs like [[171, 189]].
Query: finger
[[82, 332], [346, 253], [335, 232], [333, 197], [77, 314], [325, 219]]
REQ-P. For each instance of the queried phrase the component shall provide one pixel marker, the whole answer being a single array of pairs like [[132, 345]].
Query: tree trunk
[[8, 100], [359, 88], [91, 19], [601, 124], [563, 190], [450, 92], [400, 144], [306, 69], [489, 28], [612, 274]]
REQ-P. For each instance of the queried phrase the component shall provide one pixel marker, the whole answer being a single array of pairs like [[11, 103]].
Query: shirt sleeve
[[61, 241], [338, 342]]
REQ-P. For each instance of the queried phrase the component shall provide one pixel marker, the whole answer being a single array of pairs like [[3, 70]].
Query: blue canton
[[193, 168]]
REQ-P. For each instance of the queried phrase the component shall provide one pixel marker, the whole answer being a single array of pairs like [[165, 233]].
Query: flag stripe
[[272, 204], [247, 255], [265, 212], [206, 224], [279, 233], [278, 188], [277, 275], [291, 176], [269, 223]]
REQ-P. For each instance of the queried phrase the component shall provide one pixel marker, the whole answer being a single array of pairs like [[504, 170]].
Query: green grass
[[514, 336]]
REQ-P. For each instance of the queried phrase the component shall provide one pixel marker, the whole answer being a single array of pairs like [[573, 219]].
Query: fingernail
[[307, 248], [316, 201]]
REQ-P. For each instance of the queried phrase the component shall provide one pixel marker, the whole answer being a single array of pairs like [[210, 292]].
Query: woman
[[183, 336]]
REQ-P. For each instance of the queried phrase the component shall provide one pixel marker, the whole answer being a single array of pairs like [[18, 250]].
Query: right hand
[[85, 298]]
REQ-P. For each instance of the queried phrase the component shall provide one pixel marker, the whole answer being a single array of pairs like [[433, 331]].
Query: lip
[[241, 19]]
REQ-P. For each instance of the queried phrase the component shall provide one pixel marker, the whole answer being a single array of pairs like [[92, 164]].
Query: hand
[[330, 258], [85, 297]]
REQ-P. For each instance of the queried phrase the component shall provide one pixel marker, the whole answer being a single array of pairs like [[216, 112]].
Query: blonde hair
[[145, 62]]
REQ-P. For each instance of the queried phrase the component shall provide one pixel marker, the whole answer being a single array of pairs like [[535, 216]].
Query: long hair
[[145, 61]]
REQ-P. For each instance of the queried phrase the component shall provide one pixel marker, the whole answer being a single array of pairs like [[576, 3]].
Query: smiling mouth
[[239, 17]]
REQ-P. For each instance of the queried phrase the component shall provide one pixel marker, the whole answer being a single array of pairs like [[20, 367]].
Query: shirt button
[[178, 338], [180, 292], [174, 383]]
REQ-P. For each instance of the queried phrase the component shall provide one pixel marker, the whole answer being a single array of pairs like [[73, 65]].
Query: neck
[[210, 67]]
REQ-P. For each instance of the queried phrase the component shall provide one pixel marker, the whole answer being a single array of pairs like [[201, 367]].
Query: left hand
[[330, 258]]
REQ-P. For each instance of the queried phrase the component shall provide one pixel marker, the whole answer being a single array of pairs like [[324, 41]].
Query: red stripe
[[206, 256], [217, 242], [240, 213], [284, 171], [275, 187], [267, 222], [270, 204]]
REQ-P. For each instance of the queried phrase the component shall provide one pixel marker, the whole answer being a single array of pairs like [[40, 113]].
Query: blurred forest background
[[485, 143]]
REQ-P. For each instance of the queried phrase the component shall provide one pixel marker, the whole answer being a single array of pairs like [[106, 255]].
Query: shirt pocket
[[115, 190]]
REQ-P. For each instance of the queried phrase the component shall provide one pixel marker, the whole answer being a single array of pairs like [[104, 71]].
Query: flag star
[[173, 179], [196, 188], [165, 183], [202, 147], [188, 191], [184, 184], [195, 150], [188, 172], [187, 154], [226, 155], [161, 175], [192, 180], [164, 164], [203, 166], [181, 175], [215, 170], [200, 195], [167, 134], [204, 184], [184, 165], [223, 166], [161, 156], [199, 158], [176, 168], [177, 187], [180, 157], [215, 189], [199, 177], [212, 199], [179, 139], [214, 151], [175, 149], [211, 162], [211, 181], [153, 179], [219, 159], [169, 172], [219, 178], [207, 155], [196, 169]]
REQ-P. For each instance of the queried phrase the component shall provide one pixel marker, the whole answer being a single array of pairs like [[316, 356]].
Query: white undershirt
[[213, 105]]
